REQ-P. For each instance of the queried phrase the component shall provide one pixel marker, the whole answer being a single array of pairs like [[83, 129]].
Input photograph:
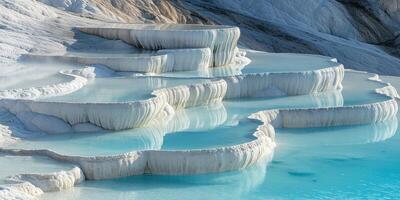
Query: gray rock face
[[362, 34]]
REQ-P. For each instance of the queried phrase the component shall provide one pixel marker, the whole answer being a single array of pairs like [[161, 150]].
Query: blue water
[[217, 137], [15, 76], [303, 167], [357, 89], [314, 163], [201, 127], [284, 62], [120, 89], [14, 165], [264, 62], [344, 162], [101, 143]]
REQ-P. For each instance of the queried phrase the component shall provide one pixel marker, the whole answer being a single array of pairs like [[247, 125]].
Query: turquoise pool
[[263, 62], [82, 122], [14, 165], [201, 127], [309, 167], [120, 89], [314, 163], [26, 75]]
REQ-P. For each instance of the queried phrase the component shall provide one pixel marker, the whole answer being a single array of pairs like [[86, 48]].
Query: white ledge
[[222, 40]]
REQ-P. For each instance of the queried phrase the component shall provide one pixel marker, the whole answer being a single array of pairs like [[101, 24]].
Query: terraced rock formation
[[134, 107]]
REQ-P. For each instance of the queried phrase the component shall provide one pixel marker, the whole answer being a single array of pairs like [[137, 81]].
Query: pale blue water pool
[[120, 89], [356, 162], [33, 75], [194, 131], [192, 128], [262, 62], [285, 62], [315, 163], [357, 89], [308, 167], [100, 143], [342, 162], [225, 135], [14, 165]]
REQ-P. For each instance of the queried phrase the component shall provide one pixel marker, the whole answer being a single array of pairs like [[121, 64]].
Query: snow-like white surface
[[303, 118], [167, 60], [78, 6], [362, 43], [281, 84], [25, 191], [333, 17], [31, 26], [77, 79], [30, 186], [221, 40], [117, 116], [188, 59], [50, 182], [23, 28]]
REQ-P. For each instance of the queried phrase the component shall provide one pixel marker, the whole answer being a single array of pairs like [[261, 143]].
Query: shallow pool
[[264, 62], [316, 165], [14, 165], [28, 75], [120, 89], [201, 127], [312, 163]]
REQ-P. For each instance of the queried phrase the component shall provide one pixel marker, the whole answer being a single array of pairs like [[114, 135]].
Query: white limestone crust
[[31, 186], [333, 116], [222, 40], [190, 59], [75, 82], [95, 167], [220, 159], [224, 158], [168, 162], [183, 162], [289, 83], [165, 60], [117, 116], [336, 116], [49, 182], [22, 191]]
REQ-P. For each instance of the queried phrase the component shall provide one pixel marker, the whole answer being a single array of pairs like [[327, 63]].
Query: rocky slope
[[363, 35]]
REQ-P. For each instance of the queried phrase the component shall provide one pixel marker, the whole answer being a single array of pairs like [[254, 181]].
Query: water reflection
[[227, 185], [341, 135], [145, 138]]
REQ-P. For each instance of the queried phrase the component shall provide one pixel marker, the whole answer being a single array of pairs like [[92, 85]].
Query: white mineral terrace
[[221, 40], [146, 104], [166, 60], [165, 111]]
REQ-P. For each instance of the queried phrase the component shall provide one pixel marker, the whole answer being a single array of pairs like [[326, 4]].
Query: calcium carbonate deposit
[[181, 100]]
